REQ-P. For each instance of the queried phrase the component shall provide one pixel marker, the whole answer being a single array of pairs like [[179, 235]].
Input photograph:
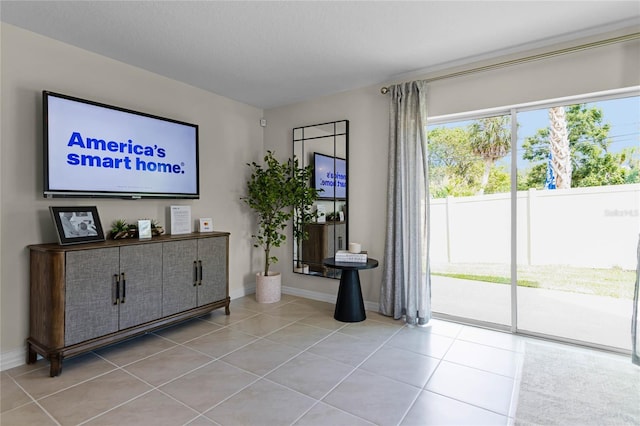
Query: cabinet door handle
[[117, 283], [200, 270], [124, 288], [195, 273]]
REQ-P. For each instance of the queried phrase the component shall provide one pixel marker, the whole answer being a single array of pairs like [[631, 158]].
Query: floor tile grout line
[[480, 369], [301, 351], [408, 410], [144, 358], [257, 377], [488, 345], [264, 376], [318, 402], [467, 403], [351, 373], [115, 407], [33, 401], [424, 387], [115, 367], [222, 401], [153, 388]]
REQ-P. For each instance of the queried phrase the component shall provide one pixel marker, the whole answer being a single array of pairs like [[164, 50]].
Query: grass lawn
[[612, 282]]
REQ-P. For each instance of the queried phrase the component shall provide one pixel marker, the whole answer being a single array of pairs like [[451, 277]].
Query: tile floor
[[288, 363]]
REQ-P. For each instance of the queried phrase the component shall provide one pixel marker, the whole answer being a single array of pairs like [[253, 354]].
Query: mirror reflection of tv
[[97, 150], [330, 177]]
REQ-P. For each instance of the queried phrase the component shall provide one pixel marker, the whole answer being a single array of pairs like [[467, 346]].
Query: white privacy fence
[[596, 227]]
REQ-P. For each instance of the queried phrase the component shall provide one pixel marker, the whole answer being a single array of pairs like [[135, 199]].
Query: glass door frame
[[513, 112]]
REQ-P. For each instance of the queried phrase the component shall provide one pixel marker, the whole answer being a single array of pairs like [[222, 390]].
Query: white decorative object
[[355, 247], [268, 288], [144, 229], [346, 256], [322, 214], [205, 224], [180, 220]]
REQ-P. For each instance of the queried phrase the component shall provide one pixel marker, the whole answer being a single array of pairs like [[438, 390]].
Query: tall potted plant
[[269, 195], [303, 198]]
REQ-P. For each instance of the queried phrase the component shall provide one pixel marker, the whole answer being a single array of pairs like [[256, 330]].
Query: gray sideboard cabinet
[[83, 297]]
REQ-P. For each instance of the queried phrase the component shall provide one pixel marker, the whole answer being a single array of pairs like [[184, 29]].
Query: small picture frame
[[205, 224], [77, 224], [144, 229]]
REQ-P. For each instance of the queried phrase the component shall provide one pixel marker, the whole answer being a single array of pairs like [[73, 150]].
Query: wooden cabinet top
[[125, 242], [326, 223]]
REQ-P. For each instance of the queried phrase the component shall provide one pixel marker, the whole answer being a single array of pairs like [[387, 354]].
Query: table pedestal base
[[349, 305]]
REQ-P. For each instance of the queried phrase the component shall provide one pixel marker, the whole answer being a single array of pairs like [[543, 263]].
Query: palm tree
[[490, 140], [559, 147]]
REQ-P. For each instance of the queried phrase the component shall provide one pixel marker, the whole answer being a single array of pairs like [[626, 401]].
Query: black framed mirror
[[324, 147]]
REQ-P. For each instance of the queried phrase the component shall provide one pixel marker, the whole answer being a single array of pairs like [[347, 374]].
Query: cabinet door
[[141, 270], [212, 258], [90, 293], [178, 276], [314, 250]]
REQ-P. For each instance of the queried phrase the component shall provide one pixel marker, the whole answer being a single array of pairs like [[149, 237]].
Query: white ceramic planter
[[268, 288]]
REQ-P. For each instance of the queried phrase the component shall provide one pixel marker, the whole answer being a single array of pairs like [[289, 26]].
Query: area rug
[[571, 386]]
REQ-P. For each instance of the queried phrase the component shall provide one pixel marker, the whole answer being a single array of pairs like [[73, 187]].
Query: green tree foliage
[[453, 169], [458, 160], [591, 161], [464, 161]]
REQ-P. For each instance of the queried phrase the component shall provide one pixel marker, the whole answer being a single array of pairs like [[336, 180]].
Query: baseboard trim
[[323, 297], [14, 358]]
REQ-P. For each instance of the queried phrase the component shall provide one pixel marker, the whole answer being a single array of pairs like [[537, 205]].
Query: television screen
[[330, 176], [97, 150]]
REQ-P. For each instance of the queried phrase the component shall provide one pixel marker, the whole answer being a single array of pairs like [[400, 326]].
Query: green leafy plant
[[269, 194], [333, 217], [303, 198], [120, 229]]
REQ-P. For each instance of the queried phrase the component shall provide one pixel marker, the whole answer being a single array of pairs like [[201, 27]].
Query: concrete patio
[[595, 319]]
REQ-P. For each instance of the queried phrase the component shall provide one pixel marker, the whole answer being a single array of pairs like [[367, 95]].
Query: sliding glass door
[[470, 217], [578, 211], [568, 217]]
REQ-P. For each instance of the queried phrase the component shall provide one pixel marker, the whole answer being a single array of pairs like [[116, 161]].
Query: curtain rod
[[620, 39]]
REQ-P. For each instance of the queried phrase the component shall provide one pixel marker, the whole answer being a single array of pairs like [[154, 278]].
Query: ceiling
[[273, 53]]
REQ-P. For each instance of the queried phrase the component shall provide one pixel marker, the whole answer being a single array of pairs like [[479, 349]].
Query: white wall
[[230, 136], [367, 113], [603, 68]]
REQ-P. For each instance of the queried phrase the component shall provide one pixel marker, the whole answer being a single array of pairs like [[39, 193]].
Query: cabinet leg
[[32, 356], [226, 309], [56, 365]]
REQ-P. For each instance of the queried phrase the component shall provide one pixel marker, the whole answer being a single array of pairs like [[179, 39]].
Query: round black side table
[[349, 305]]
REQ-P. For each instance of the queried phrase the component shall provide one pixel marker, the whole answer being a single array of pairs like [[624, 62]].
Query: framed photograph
[[77, 224], [205, 224]]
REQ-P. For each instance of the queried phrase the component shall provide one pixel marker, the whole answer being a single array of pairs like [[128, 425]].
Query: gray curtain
[[635, 321], [406, 283]]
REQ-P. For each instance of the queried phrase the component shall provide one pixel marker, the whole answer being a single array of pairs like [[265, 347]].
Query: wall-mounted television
[[97, 150], [330, 177]]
